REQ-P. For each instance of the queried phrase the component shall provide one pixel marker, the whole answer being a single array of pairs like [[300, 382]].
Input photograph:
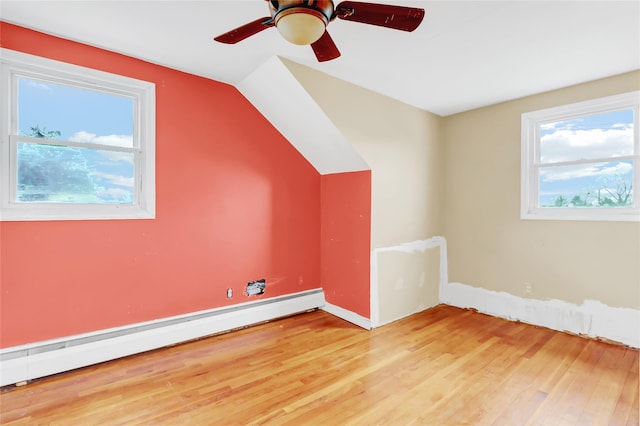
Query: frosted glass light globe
[[300, 25]]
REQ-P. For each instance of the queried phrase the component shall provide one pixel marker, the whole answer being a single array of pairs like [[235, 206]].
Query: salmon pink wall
[[346, 240], [235, 202]]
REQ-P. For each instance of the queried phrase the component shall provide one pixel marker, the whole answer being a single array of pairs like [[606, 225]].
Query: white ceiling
[[466, 54]]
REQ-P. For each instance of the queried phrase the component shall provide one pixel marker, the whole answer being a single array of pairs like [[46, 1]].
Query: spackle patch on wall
[[401, 275], [399, 283], [592, 318]]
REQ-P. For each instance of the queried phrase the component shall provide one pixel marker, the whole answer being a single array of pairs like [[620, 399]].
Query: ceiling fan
[[304, 22]]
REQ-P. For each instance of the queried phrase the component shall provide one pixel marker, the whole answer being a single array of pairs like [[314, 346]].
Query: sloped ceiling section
[[275, 92]]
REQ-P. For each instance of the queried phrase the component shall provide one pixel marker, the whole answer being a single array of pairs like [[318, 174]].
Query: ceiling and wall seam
[[282, 100]]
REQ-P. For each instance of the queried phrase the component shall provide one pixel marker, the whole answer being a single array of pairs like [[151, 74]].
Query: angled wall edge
[[282, 100]]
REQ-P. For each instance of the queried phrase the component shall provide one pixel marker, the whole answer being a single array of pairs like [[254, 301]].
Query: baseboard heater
[[27, 362]]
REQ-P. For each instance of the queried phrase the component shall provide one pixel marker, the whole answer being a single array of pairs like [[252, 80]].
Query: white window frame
[[530, 164], [17, 64]]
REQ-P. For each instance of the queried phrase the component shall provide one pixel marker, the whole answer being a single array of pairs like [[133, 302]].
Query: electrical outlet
[[528, 288], [256, 287], [229, 293]]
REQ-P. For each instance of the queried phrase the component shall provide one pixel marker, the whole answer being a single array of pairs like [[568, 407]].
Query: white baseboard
[[27, 362], [347, 315], [592, 318]]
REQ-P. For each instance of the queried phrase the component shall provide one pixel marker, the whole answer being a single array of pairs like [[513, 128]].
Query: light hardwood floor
[[442, 366]]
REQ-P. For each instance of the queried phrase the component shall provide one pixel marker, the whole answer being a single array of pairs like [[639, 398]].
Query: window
[[77, 143], [582, 161]]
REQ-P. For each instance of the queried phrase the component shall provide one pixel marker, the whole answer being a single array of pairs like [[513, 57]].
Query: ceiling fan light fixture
[[301, 25], [304, 22]]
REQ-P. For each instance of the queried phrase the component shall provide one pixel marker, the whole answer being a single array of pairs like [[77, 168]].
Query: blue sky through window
[[80, 115], [588, 143], [72, 110]]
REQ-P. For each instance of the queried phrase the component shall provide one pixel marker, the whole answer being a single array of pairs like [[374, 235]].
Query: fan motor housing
[[324, 8]]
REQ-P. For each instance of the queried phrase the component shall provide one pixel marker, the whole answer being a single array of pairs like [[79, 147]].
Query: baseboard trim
[[347, 315], [40, 359], [592, 318]]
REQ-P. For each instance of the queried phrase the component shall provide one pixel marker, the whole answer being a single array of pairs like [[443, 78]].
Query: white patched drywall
[[418, 288], [592, 318]]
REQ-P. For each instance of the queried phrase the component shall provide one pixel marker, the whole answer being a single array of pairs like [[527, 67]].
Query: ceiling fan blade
[[246, 30], [384, 15], [324, 48]]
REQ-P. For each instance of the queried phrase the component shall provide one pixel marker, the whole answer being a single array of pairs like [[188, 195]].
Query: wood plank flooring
[[443, 366]]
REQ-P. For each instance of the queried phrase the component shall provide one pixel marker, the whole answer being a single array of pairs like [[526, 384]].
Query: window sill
[[601, 215], [77, 212]]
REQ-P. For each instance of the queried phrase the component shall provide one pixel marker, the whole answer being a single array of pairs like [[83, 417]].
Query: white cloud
[[125, 141], [39, 85], [555, 125], [116, 192], [568, 144], [620, 125], [116, 156], [114, 179], [582, 171]]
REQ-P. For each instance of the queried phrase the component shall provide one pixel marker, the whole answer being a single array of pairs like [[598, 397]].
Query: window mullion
[[72, 144], [587, 161]]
